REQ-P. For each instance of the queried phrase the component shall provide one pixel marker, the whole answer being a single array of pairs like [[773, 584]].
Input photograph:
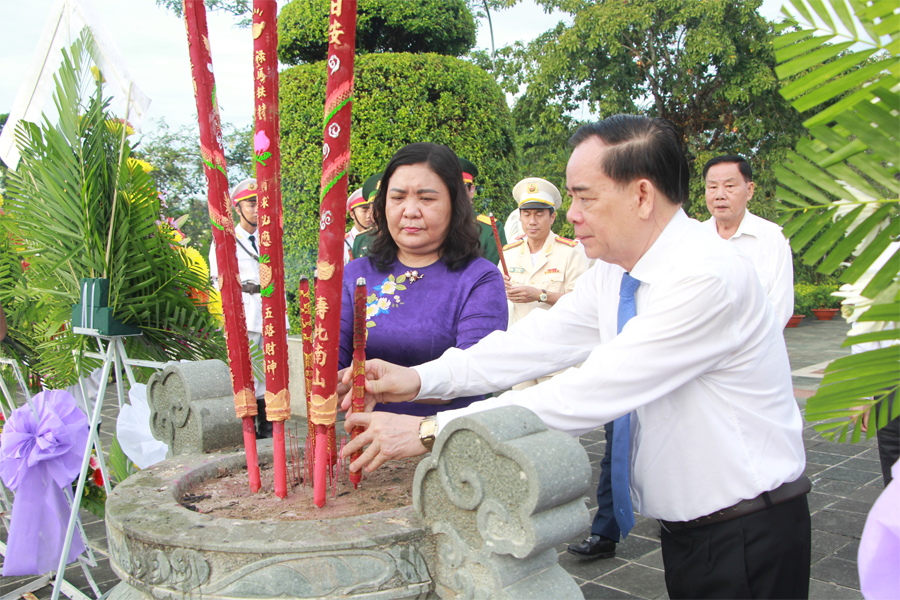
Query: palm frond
[[840, 190], [60, 206]]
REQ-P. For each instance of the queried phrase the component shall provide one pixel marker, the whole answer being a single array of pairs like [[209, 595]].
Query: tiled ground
[[846, 481]]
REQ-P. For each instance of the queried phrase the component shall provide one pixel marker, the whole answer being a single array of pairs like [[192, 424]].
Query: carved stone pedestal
[[489, 505]]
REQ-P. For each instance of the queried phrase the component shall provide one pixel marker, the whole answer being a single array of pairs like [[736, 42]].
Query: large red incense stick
[[499, 244], [330, 267], [267, 153], [306, 329], [359, 365], [223, 229]]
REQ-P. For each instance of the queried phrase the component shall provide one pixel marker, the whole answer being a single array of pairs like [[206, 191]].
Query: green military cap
[[469, 170], [371, 186]]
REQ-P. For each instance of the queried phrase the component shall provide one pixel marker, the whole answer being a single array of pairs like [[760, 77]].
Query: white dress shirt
[[248, 269], [703, 365], [770, 252]]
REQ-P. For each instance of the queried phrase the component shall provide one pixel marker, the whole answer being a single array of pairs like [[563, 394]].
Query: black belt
[[783, 493], [250, 288]]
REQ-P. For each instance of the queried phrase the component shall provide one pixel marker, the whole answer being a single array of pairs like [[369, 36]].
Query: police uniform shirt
[[702, 365], [248, 269], [559, 264], [770, 252]]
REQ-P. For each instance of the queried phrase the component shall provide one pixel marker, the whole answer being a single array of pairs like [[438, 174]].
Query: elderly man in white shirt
[[680, 346], [729, 187]]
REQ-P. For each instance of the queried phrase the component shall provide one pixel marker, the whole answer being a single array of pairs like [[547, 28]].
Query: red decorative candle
[[267, 153], [336, 152], [359, 365], [499, 244], [306, 325], [219, 203]]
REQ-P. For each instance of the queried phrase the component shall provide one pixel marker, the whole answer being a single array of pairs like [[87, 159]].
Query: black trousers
[[762, 555], [888, 437]]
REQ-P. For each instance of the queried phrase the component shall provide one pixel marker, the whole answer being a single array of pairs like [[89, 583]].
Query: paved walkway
[[846, 481]]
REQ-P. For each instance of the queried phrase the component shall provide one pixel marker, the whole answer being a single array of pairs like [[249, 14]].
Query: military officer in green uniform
[[486, 239], [363, 240]]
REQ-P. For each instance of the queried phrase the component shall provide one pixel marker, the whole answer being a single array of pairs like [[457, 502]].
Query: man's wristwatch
[[543, 296], [427, 432]]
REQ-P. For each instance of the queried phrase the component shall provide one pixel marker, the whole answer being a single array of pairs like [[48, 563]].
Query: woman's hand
[[388, 437]]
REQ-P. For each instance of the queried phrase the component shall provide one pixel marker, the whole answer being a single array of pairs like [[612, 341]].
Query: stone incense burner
[[496, 495]]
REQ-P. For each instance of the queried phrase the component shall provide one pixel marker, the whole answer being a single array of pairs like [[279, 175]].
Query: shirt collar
[[748, 226], [241, 233], [651, 264]]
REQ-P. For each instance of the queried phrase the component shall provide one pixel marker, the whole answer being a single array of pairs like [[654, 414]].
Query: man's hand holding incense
[[385, 382], [388, 437]]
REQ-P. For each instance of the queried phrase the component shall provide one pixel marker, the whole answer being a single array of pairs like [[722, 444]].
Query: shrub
[[399, 99], [804, 294], [808, 296], [440, 26], [822, 297]]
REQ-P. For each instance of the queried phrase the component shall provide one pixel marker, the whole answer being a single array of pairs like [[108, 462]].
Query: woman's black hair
[[460, 246]]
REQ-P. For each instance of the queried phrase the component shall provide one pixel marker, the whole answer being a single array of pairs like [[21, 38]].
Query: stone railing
[[499, 492], [192, 408]]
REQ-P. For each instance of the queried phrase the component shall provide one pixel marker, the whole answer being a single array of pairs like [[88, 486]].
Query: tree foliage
[[178, 172], [238, 8], [79, 206], [439, 26], [706, 65], [398, 99], [841, 188]]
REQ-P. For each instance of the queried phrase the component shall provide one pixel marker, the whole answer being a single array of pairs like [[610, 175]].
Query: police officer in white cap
[[542, 266], [246, 238]]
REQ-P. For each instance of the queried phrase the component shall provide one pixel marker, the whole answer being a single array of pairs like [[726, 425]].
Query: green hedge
[[440, 26], [808, 296], [399, 99]]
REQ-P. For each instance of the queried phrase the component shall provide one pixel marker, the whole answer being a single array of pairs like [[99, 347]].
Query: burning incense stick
[[499, 245], [330, 267], [219, 203], [359, 364], [267, 153]]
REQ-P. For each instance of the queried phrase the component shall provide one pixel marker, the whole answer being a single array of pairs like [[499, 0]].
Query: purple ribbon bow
[[38, 458]]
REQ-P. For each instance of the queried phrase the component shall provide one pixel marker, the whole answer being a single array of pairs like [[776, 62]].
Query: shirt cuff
[[434, 378]]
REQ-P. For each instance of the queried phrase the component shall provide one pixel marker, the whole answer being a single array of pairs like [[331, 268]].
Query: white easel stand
[[114, 354]]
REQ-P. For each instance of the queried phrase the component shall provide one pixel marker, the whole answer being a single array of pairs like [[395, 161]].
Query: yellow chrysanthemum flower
[[114, 126], [196, 262], [143, 164], [214, 306]]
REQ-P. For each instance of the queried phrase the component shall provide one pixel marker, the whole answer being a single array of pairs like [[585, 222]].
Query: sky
[[154, 45]]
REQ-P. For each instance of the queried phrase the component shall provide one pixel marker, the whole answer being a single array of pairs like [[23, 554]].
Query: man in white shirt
[[729, 186], [243, 196], [716, 451]]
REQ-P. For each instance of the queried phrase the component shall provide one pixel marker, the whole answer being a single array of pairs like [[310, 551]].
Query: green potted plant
[[802, 301], [826, 305]]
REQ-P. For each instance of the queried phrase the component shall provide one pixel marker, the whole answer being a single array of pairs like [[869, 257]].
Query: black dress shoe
[[595, 546]]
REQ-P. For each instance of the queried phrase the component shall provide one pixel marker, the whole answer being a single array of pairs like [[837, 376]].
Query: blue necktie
[[621, 490]]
